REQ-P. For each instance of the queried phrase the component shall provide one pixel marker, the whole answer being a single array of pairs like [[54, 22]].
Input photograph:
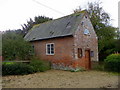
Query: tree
[[98, 16], [41, 19], [31, 23], [15, 47], [106, 37]]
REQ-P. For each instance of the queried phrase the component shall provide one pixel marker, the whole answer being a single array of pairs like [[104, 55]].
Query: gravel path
[[62, 79]]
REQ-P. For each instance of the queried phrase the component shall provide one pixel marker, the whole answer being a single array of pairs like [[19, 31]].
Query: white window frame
[[50, 49]]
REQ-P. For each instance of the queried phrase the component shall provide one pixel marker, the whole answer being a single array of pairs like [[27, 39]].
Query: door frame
[[89, 63]]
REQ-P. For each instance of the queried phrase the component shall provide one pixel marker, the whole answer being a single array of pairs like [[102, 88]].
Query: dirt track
[[62, 79]]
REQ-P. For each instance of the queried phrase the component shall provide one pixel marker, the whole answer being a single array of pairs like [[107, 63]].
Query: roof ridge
[[76, 14]]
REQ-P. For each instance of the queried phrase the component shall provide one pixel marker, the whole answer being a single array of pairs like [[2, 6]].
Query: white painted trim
[[50, 48]]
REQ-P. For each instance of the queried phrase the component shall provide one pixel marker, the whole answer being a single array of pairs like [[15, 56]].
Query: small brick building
[[68, 42]]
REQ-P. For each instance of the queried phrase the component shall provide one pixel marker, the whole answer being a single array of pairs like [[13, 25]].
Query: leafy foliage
[[16, 69], [106, 40], [39, 65], [15, 47], [112, 62], [5, 63]]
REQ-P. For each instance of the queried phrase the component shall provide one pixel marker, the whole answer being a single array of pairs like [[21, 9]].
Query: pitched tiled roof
[[55, 28]]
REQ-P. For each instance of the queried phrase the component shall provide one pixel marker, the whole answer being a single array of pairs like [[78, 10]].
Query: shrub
[[112, 63], [98, 66], [39, 65], [16, 69], [14, 47]]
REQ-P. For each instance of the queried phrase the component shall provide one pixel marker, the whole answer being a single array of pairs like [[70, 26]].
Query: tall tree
[[98, 16], [15, 47]]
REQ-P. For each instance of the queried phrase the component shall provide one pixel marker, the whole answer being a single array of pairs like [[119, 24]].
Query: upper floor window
[[86, 32], [50, 49]]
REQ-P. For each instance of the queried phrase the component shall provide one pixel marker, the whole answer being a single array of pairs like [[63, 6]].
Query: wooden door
[[87, 59]]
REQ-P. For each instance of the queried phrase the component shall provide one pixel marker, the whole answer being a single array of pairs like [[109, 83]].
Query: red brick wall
[[63, 49]]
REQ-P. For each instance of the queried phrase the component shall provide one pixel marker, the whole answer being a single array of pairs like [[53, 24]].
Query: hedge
[[112, 63], [16, 69]]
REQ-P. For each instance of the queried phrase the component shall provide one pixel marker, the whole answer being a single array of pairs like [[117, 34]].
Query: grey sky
[[13, 13]]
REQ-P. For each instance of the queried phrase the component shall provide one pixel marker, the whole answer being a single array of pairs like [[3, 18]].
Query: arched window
[[86, 32]]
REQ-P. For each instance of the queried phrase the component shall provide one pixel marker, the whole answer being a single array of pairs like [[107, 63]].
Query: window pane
[[52, 51], [52, 45], [92, 53], [48, 50], [52, 48], [48, 46]]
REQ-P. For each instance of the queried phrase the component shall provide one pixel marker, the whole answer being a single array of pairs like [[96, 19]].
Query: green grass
[[114, 73], [8, 63]]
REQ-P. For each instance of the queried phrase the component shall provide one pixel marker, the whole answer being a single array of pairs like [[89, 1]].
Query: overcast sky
[[13, 13]]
